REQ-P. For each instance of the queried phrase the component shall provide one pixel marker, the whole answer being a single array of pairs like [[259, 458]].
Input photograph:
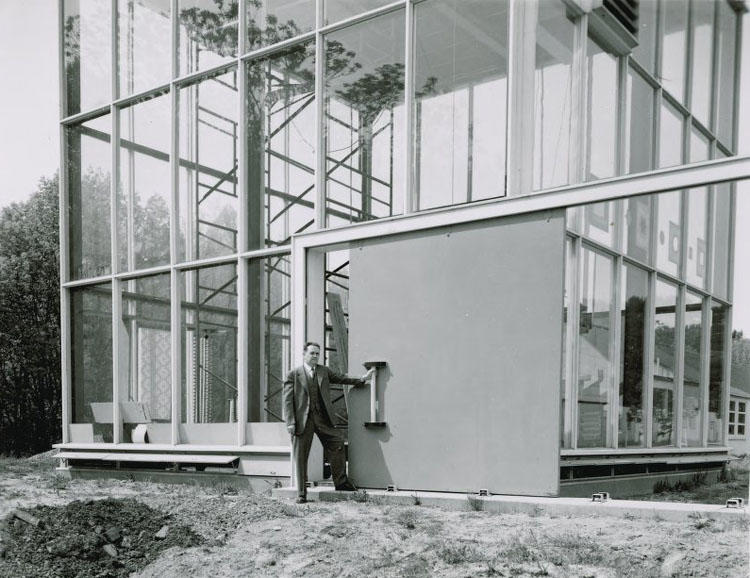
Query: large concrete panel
[[469, 319]]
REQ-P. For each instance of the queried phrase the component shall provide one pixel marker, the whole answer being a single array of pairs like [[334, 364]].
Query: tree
[[30, 390]]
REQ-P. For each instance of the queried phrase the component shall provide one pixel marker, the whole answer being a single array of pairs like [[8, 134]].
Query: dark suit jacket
[[296, 397]]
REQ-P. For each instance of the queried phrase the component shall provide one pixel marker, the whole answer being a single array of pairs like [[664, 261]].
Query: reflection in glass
[[697, 237], [89, 162], [637, 229], [144, 189], [145, 346], [674, 48], [665, 354], [460, 101], [645, 51], [726, 74], [634, 294], [691, 384], [144, 58], [271, 21], [601, 113], [270, 354], [208, 167], [208, 33], [91, 358], [716, 385], [599, 222], [280, 145], [336, 10], [595, 369], [702, 21], [209, 345], [552, 95], [86, 37], [670, 136], [669, 232], [722, 239], [364, 116], [640, 123]]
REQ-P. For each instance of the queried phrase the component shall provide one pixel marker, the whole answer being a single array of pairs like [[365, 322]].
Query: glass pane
[[208, 33], [460, 96], [645, 50], [731, 408], [145, 361], [637, 229], [364, 89], [209, 345], [91, 358], [634, 293], [595, 370], [703, 44], [669, 241], [271, 21], [552, 95], [691, 388], [89, 162], [670, 136], [87, 36], [599, 222], [601, 113], [640, 123], [336, 10], [208, 167], [270, 355], [731, 429], [280, 137], [741, 407], [741, 430], [716, 386], [726, 74], [697, 232], [143, 193], [700, 146], [674, 48], [722, 210], [567, 291], [144, 32], [665, 352]]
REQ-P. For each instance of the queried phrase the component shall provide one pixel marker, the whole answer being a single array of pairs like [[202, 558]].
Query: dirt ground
[[246, 534]]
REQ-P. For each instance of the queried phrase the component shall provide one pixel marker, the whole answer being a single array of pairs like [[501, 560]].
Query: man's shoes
[[301, 500], [347, 487]]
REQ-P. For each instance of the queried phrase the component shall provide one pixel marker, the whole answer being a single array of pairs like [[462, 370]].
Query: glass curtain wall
[[192, 157]]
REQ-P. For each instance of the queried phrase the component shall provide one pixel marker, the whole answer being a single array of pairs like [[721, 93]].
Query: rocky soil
[[216, 531]]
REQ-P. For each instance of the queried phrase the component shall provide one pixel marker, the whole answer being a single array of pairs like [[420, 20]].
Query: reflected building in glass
[[206, 140]]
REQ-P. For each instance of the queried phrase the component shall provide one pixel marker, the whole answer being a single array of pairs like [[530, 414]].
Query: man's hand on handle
[[366, 377]]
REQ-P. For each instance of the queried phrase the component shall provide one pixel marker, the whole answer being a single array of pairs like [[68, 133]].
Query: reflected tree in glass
[[692, 396], [208, 33], [632, 351], [716, 386], [665, 353]]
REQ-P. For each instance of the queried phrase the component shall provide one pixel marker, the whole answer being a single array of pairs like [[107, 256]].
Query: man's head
[[311, 353]]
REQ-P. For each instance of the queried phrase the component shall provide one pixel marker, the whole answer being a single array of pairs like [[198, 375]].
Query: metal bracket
[[600, 497], [484, 493], [374, 406], [390, 488]]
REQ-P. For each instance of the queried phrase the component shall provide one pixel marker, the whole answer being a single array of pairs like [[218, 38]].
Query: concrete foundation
[[205, 478], [673, 511]]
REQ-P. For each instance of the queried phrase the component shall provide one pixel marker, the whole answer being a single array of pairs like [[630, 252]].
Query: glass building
[[224, 160]]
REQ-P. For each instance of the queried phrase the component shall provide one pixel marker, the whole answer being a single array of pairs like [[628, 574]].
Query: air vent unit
[[614, 23]]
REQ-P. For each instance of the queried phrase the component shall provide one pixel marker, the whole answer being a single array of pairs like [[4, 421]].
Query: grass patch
[[408, 519], [456, 552]]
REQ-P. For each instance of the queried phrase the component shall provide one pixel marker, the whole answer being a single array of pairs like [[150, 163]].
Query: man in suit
[[308, 409]]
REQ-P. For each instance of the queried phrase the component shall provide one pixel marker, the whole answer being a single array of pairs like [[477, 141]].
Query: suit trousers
[[332, 441]]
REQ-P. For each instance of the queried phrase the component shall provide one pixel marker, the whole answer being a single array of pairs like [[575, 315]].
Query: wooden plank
[[340, 333]]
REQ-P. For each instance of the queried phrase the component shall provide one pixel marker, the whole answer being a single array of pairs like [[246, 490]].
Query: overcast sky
[[29, 117]]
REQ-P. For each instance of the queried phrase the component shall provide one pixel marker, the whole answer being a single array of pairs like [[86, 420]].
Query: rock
[[669, 566], [112, 534], [28, 518], [264, 560], [162, 533], [99, 530], [110, 550], [126, 542]]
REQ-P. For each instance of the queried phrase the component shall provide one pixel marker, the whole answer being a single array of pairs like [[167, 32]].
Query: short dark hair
[[309, 343]]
